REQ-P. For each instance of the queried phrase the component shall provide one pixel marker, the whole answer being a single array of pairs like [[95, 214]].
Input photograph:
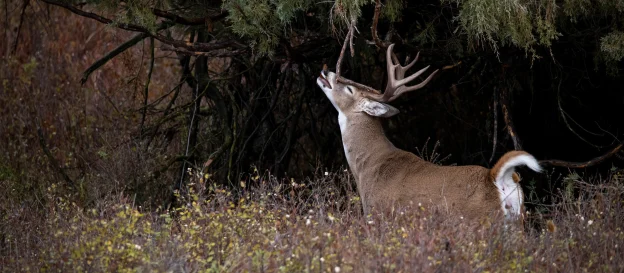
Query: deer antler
[[396, 78]]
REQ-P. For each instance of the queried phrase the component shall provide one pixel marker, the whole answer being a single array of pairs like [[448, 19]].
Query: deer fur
[[387, 176]]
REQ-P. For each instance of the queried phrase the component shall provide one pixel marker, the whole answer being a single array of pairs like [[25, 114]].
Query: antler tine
[[401, 82], [391, 68], [414, 87], [396, 73], [405, 68]]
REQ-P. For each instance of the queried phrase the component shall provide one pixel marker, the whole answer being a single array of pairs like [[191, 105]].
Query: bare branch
[[211, 54], [121, 48], [342, 51], [378, 42], [564, 116], [592, 162]]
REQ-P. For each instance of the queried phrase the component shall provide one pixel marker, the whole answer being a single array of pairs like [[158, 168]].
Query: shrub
[[310, 226]]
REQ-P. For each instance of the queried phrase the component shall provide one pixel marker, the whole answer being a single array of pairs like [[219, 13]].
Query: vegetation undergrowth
[[310, 226]]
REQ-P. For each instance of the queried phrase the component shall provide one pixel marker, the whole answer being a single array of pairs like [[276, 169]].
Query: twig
[[55, 165], [565, 120], [351, 42], [378, 42], [207, 54], [149, 78], [348, 40], [450, 66], [121, 48], [342, 51], [495, 137], [592, 162]]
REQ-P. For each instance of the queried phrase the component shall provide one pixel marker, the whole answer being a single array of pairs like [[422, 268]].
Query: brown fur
[[387, 176]]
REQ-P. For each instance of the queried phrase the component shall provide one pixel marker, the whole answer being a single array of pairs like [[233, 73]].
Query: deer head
[[387, 176], [352, 97]]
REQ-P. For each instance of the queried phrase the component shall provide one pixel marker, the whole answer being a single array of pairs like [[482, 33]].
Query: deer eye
[[350, 91]]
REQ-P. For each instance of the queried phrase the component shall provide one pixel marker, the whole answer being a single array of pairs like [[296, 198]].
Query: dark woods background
[[228, 87]]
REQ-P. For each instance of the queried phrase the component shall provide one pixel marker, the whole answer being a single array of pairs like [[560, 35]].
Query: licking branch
[[343, 50], [349, 40], [378, 42]]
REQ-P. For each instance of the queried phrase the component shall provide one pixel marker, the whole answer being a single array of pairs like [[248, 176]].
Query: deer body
[[387, 176]]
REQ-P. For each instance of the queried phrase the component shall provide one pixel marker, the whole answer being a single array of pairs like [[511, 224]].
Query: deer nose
[[323, 79]]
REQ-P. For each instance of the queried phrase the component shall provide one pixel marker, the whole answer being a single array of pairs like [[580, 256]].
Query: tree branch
[[207, 54], [344, 48], [189, 21], [132, 27], [378, 42], [576, 165], [349, 40], [121, 48]]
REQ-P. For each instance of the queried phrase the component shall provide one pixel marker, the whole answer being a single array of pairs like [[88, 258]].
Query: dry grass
[[310, 227]]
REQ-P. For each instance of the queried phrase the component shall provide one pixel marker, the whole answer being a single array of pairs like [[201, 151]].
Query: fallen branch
[[576, 165]]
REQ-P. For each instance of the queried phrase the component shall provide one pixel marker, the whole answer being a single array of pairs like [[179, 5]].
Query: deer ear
[[377, 109]]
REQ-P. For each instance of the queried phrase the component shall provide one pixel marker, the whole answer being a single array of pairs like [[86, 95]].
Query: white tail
[[509, 190], [387, 176]]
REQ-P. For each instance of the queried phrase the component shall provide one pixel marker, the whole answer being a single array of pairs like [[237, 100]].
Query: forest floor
[[312, 226]]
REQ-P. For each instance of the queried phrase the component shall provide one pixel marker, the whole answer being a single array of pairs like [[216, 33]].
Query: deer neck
[[364, 141]]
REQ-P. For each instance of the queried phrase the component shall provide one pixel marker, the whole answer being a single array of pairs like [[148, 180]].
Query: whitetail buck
[[387, 176]]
